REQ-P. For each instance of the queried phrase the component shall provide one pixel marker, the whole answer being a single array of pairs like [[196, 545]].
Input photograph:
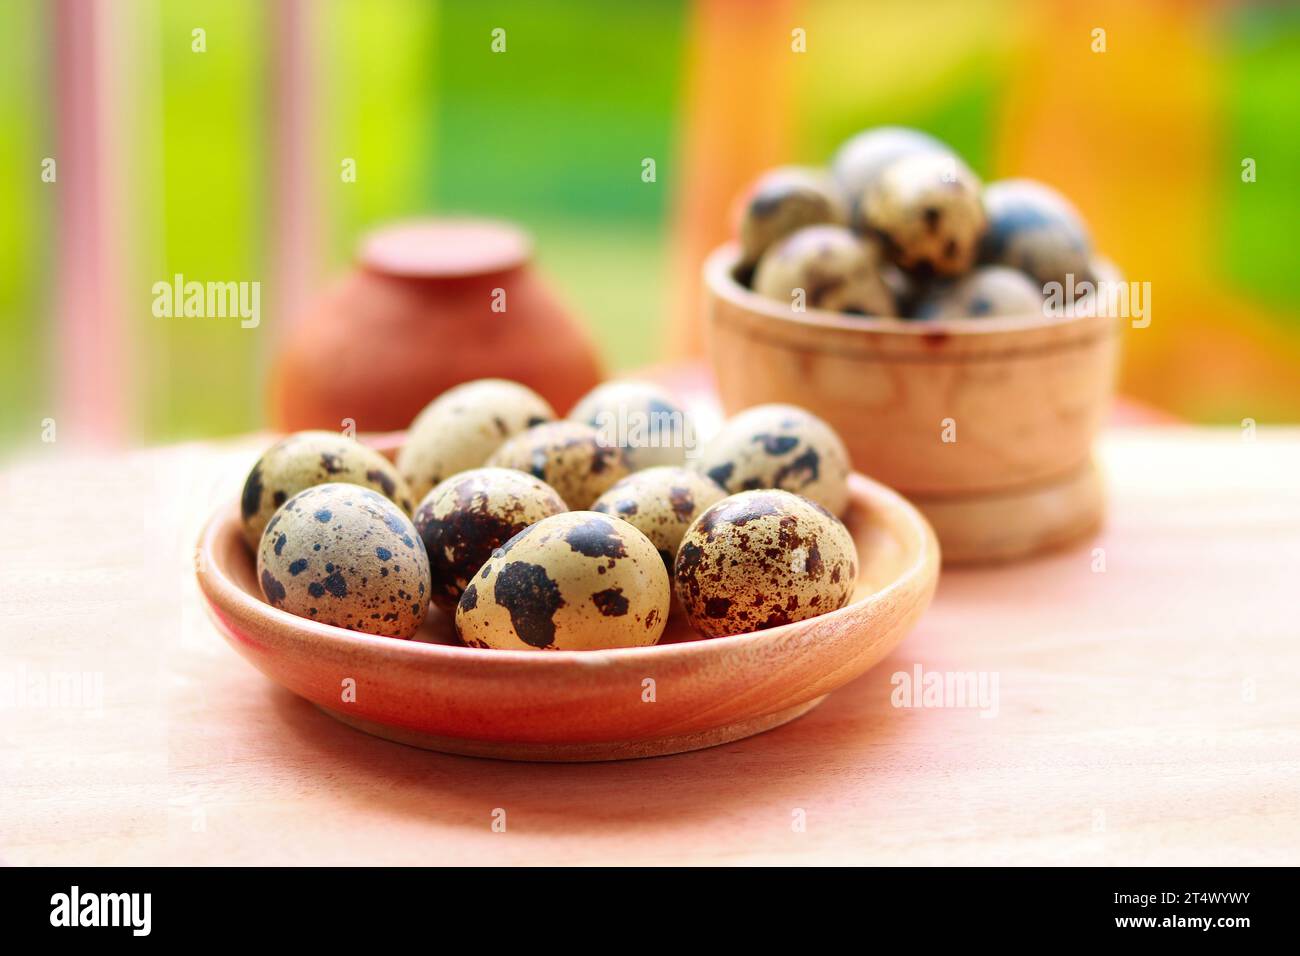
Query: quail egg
[[641, 418], [760, 559], [568, 456], [988, 290], [311, 458], [783, 200], [468, 516], [573, 582], [926, 210], [1035, 229], [825, 267], [779, 446], [857, 164], [345, 555], [661, 503], [459, 429]]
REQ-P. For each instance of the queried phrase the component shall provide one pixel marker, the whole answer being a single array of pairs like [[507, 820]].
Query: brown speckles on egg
[[926, 209], [333, 557], [833, 269], [469, 516], [666, 501], [305, 459], [759, 559], [461, 428], [780, 446], [568, 456], [573, 581]]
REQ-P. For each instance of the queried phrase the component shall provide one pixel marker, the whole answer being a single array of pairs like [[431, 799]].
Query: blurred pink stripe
[[89, 370]]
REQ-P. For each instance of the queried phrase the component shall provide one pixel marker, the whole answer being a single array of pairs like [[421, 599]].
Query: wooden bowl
[[1025, 397], [582, 705]]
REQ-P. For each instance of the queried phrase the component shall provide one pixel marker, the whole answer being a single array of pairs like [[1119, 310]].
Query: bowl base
[[1010, 525], [578, 752]]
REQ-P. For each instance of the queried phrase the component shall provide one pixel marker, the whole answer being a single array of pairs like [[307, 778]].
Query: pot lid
[[444, 248]]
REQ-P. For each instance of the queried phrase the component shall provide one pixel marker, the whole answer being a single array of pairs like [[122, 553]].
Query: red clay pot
[[415, 317]]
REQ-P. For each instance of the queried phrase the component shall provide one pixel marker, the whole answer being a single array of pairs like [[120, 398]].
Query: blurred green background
[[1148, 137]]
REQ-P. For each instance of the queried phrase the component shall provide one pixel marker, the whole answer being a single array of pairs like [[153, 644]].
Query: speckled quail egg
[[641, 418], [572, 582], [825, 267], [568, 456], [459, 429], [783, 200], [345, 555], [1035, 229], [468, 516], [312, 458], [779, 446], [760, 559], [926, 210], [986, 291], [661, 503], [858, 163]]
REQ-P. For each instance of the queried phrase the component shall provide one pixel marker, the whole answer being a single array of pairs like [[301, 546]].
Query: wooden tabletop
[[1145, 711]]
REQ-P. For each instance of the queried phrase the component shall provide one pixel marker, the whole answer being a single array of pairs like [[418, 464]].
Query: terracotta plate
[[682, 694]]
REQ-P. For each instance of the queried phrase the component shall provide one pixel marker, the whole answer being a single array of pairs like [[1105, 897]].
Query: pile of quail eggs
[[899, 226], [540, 533]]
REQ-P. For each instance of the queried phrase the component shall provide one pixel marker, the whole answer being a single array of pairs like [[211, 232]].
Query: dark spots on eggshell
[[331, 463], [531, 598], [336, 585], [469, 599], [799, 473], [324, 515], [722, 473], [272, 588], [651, 618], [298, 567], [535, 420], [315, 589], [383, 554], [682, 501], [610, 602], [383, 480], [250, 501], [932, 216], [278, 498], [596, 538], [716, 607]]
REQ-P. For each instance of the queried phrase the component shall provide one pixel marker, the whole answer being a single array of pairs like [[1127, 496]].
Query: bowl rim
[[719, 277], [225, 596]]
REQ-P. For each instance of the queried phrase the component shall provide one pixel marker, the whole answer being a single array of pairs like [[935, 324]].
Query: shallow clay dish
[[583, 705], [1025, 395]]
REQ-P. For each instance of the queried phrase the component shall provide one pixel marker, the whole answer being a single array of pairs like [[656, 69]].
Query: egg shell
[[927, 210], [761, 559], [784, 200], [986, 291], [833, 269], [575, 581], [779, 446], [642, 418], [309, 458], [661, 503], [858, 163], [463, 426], [468, 516], [1035, 229], [345, 555], [568, 456]]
